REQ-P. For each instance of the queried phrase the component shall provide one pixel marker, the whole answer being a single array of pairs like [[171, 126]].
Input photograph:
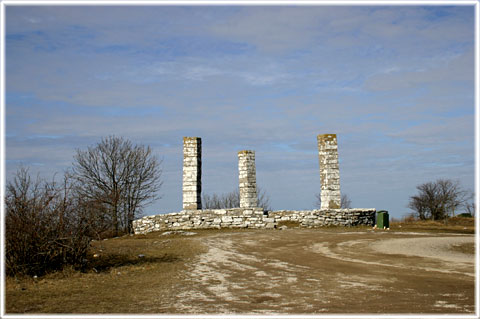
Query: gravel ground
[[431, 247], [301, 271]]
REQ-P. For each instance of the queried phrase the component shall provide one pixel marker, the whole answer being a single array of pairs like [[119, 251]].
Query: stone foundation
[[253, 218]]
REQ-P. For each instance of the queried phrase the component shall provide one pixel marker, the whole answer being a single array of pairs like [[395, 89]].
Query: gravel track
[[302, 271]]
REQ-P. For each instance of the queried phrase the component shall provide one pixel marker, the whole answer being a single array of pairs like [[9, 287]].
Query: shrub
[[43, 229]]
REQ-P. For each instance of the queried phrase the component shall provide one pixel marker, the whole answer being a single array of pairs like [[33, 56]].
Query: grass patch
[[141, 270], [460, 225]]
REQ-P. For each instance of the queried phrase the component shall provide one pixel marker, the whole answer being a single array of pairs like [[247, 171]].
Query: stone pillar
[[329, 171], [192, 173], [247, 179]]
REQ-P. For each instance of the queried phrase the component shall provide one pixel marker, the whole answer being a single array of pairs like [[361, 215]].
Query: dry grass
[[463, 225], [112, 281]]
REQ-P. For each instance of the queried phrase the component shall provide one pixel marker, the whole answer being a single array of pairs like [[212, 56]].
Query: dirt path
[[323, 271]]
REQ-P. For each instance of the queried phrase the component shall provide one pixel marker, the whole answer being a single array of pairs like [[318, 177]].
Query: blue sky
[[395, 83]]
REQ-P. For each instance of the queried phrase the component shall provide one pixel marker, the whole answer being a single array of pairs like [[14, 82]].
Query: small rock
[[96, 255], [141, 256], [283, 227]]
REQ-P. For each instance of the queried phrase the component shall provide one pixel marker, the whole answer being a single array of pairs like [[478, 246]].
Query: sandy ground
[[301, 271], [431, 247]]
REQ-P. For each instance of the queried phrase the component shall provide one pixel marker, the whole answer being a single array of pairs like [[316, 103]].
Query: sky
[[395, 83]]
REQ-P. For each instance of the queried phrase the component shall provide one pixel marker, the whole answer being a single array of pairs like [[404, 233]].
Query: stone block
[[226, 219]]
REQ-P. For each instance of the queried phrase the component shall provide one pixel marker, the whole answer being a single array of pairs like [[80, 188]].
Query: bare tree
[[44, 230], [119, 178], [470, 204], [345, 201], [438, 200], [232, 200]]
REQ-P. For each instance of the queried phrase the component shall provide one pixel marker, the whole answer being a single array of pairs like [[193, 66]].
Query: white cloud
[[447, 68]]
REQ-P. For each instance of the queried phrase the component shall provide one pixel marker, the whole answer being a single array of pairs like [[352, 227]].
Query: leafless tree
[[118, 178], [345, 201], [232, 200], [470, 204], [44, 230], [438, 200]]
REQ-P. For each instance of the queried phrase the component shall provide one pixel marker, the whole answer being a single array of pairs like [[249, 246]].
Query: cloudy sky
[[395, 83]]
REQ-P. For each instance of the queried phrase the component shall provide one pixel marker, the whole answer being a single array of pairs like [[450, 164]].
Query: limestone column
[[247, 179], [329, 171], [192, 173]]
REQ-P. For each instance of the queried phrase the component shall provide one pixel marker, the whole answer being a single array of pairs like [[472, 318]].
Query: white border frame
[[3, 3]]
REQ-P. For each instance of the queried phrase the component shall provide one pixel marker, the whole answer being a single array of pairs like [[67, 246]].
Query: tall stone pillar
[[329, 171], [192, 173], [247, 179]]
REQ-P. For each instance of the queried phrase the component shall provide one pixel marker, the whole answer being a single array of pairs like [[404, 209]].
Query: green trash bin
[[382, 219]]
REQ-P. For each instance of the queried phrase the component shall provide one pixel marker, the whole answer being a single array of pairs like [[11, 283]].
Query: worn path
[[298, 271]]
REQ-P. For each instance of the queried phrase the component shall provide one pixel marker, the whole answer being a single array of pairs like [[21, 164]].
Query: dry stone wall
[[252, 218]]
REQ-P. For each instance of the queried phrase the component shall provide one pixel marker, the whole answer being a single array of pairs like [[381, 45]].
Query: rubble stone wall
[[253, 218]]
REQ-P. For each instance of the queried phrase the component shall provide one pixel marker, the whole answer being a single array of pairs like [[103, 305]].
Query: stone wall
[[253, 218]]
